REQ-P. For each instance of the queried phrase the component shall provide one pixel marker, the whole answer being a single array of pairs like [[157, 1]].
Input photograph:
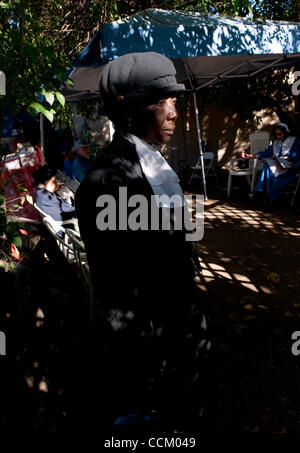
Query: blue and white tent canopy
[[205, 49]]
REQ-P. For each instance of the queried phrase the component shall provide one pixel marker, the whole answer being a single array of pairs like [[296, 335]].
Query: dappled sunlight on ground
[[250, 287], [246, 218], [246, 228], [212, 271]]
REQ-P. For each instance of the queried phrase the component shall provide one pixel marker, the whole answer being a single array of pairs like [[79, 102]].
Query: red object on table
[[17, 174]]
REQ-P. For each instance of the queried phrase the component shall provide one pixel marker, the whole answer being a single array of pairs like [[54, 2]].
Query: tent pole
[[200, 143], [198, 128], [42, 135]]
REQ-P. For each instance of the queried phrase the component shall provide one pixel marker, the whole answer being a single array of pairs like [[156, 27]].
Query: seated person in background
[[281, 163], [81, 163], [48, 200]]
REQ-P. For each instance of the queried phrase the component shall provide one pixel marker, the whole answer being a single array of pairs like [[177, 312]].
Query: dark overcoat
[[148, 272], [144, 282]]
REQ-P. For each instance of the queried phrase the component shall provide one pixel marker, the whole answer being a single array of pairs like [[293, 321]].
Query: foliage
[[119, 10], [63, 117], [9, 232], [86, 135], [90, 109], [275, 10], [29, 56]]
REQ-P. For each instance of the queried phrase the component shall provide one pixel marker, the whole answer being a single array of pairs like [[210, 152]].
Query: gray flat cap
[[139, 77]]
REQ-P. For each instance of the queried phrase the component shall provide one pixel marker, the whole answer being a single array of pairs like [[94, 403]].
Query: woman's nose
[[172, 112]]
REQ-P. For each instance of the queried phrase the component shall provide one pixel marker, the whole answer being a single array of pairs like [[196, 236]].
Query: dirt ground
[[250, 289], [250, 256]]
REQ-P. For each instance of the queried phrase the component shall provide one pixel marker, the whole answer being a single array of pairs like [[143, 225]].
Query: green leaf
[[22, 200], [235, 4], [13, 227], [49, 97], [29, 199], [250, 11], [60, 97], [17, 241], [35, 108], [5, 5], [21, 188], [49, 114], [70, 83], [3, 221]]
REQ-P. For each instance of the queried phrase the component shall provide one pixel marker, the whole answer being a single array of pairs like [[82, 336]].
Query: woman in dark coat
[[143, 276]]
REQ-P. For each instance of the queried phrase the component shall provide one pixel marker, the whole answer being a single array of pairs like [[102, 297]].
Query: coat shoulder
[[115, 165]]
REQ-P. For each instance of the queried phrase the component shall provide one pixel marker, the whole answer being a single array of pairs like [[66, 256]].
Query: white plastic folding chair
[[80, 254], [63, 242], [54, 227], [82, 264], [72, 247], [65, 191], [235, 171], [73, 184], [259, 141], [208, 159]]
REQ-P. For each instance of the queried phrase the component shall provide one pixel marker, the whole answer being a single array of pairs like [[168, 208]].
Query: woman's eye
[[163, 101]]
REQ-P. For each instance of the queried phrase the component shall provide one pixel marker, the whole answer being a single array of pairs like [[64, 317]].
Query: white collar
[[286, 145], [155, 167], [158, 172]]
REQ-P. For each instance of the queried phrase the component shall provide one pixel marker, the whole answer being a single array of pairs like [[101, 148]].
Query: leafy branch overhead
[[9, 231], [36, 107]]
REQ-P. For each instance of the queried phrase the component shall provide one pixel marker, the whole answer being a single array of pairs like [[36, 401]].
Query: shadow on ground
[[249, 287]]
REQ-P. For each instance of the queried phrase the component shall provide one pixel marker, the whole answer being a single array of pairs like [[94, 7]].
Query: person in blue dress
[[81, 163], [281, 163], [68, 162]]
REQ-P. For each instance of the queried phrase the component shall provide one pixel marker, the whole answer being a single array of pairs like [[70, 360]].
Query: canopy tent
[[205, 49], [210, 48]]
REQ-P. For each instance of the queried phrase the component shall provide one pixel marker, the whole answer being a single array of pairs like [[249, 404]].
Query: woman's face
[[155, 123], [279, 134], [51, 185]]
